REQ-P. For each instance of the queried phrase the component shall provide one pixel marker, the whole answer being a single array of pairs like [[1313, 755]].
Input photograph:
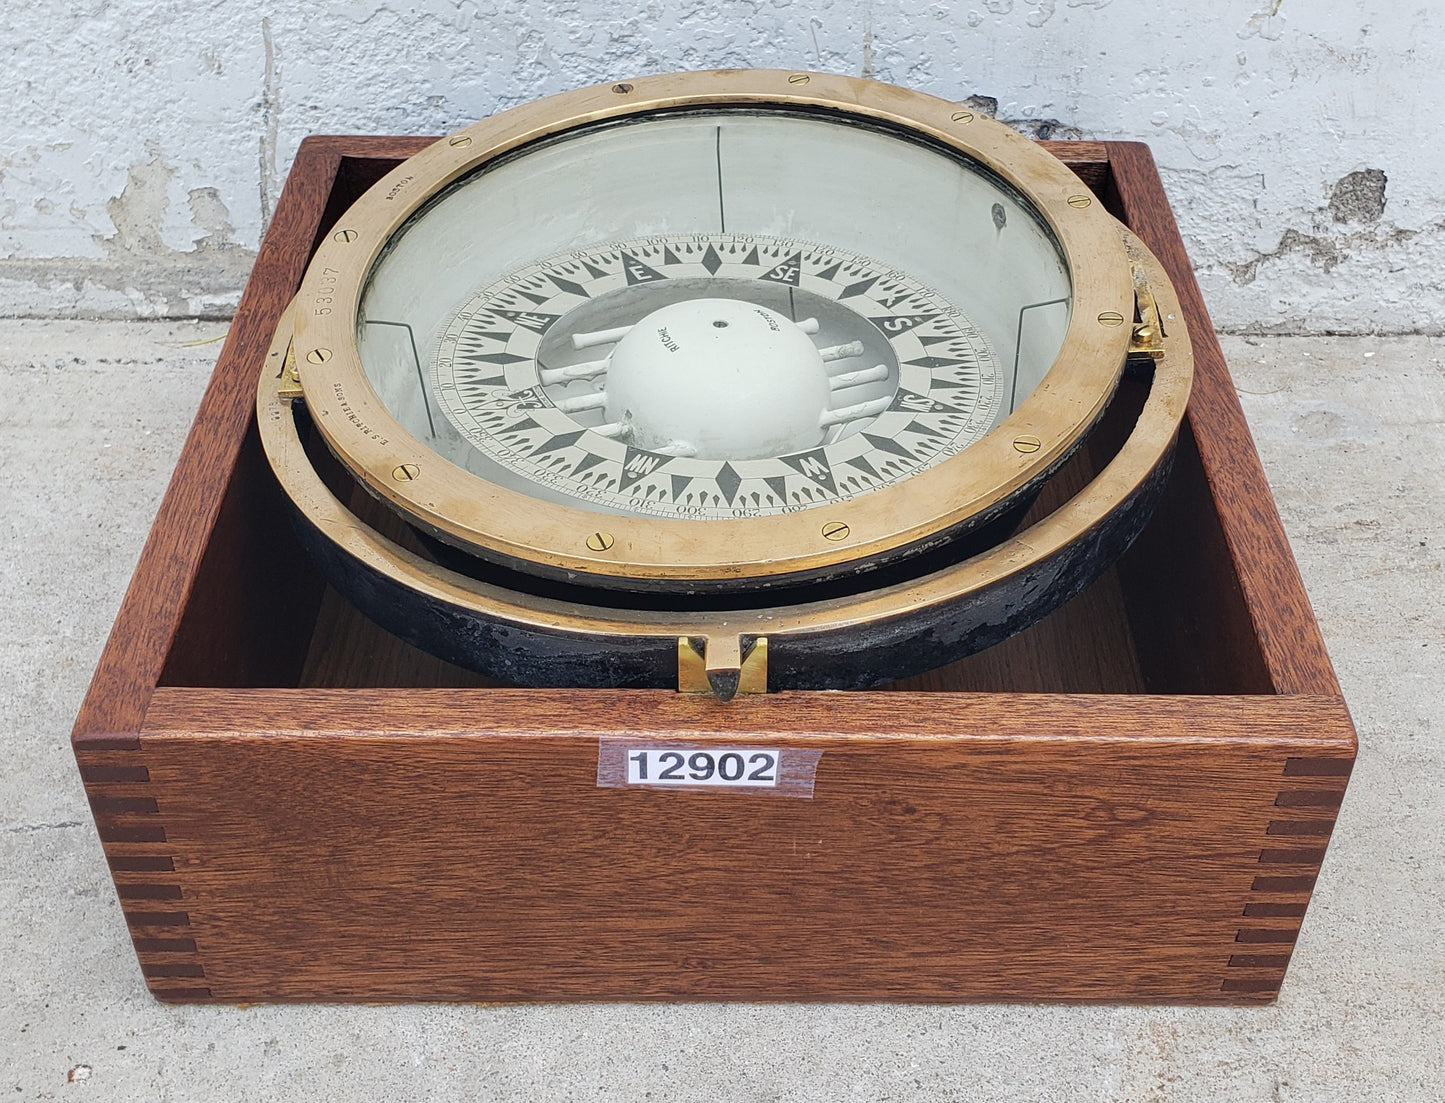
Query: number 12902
[[743, 767]]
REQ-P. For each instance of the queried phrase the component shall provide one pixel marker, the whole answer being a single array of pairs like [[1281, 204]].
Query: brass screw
[[600, 541], [835, 530], [962, 116], [344, 235], [1028, 443], [799, 78], [460, 140], [622, 89], [1079, 201], [1111, 318], [405, 472], [318, 356]]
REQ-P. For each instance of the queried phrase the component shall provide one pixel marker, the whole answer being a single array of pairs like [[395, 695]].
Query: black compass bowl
[[858, 653]]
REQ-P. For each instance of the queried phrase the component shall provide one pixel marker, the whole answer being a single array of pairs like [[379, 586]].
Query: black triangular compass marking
[[560, 441], [491, 357], [593, 271], [537, 323], [668, 256], [916, 426], [813, 465], [951, 385], [753, 258], [831, 272], [637, 464], [523, 426], [537, 299], [591, 459], [937, 338], [936, 362], [786, 271], [778, 484], [679, 484], [728, 482], [858, 288], [637, 272], [863, 465], [478, 386], [711, 261], [473, 336], [888, 444], [569, 287]]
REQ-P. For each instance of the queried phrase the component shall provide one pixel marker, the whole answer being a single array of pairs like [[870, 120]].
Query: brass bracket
[[289, 385], [722, 665], [1148, 336]]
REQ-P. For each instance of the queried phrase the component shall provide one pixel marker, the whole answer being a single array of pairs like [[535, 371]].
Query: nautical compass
[[719, 379]]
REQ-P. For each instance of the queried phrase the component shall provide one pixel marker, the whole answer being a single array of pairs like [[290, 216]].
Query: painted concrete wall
[[143, 143]]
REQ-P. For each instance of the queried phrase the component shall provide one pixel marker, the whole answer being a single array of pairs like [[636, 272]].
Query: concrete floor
[[92, 418]]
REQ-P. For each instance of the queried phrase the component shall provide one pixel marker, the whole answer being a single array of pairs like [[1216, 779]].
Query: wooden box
[[1129, 802]]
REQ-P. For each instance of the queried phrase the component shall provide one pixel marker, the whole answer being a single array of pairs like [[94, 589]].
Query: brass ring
[[517, 529]]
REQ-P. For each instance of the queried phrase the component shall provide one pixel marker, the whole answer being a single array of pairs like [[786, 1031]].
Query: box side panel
[[1180, 583], [253, 606], [997, 849], [131, 663], [1281, 619]]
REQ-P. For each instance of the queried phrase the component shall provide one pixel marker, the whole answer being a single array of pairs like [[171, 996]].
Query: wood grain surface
[[145, 628], [296, 806], [453, 844]]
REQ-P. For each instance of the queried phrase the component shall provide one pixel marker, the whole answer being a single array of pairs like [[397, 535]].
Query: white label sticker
[[634, 762], [726, 767]]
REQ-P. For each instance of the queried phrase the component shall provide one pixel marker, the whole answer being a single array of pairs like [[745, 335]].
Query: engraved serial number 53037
[[741, 767]]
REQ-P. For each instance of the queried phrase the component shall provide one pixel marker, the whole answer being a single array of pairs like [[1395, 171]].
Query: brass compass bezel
[[529, 534]]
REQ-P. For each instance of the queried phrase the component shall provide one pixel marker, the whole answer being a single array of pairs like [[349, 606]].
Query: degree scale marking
[[486, 378]]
